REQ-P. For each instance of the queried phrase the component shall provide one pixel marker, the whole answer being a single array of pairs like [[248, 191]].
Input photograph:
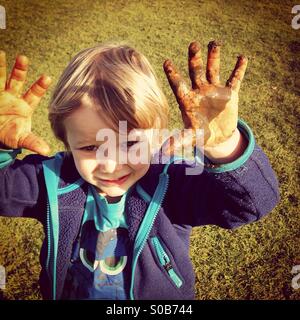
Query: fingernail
[[168, 66], [194, 48], [22, 61], [214, 44], [45, 81], [242, 57]]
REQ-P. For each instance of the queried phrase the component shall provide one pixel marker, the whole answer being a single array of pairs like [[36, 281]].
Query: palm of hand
[[16, 111], [207, 105], [15, 120]]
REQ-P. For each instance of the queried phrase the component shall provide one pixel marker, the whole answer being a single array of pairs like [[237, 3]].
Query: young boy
[[120, 230]]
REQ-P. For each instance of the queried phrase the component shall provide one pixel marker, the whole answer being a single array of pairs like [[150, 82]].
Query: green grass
[[252, 262]]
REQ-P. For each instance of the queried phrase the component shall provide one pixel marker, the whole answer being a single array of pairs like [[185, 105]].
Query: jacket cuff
[[219, 168], [7, 156]]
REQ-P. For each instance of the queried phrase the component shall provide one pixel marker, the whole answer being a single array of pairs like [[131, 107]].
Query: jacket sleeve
[[228, 196], [22, 187]]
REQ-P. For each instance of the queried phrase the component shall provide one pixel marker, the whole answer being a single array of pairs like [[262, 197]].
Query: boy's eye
[[93, 148], [131, 143], [126, 145], [89, 148]]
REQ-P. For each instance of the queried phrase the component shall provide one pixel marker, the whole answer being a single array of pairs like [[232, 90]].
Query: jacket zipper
[[166, 262], [48, 239], [50, 258], [146, 227], [51, 173]]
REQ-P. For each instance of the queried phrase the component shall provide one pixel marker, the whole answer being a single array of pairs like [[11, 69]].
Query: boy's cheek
[[85, 166], [140, 169]]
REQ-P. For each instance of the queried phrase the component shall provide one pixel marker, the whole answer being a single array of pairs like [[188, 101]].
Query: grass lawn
[[252, 262]]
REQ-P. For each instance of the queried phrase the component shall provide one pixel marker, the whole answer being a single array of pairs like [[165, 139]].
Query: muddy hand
[[207, 104], [16, 109]]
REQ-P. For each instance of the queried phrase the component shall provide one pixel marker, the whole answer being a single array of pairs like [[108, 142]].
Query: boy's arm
[[244, 187], [22, 188], [227, 195]]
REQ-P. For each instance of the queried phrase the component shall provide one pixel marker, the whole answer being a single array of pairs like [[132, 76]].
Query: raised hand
[[16, 110], [207, 104]]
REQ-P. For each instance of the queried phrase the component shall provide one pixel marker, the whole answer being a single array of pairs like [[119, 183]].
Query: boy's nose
[[109, 166]]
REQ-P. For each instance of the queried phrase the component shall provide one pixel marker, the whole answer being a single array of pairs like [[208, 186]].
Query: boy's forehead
[[85, 122], [86, 119]]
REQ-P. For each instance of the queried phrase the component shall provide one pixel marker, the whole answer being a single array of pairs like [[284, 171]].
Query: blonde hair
[[119, 80]]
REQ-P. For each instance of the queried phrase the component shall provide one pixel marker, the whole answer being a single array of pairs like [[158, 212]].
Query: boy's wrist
[[228, 151]]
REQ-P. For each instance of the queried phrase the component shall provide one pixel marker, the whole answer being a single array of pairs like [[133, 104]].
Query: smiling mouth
[[118, 181]]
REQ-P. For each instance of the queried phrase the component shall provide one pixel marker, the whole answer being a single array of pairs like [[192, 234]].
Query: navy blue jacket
[[161, 210]]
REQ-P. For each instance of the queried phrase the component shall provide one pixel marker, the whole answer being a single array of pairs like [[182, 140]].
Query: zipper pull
[[168, 266]]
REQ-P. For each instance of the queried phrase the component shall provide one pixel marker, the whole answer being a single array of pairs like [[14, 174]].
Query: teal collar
[[105, 215]]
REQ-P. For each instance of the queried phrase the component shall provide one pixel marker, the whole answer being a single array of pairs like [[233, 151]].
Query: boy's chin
[[113, 192], [113, 197]]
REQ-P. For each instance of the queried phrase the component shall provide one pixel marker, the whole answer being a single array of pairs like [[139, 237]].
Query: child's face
[[81, 128]]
